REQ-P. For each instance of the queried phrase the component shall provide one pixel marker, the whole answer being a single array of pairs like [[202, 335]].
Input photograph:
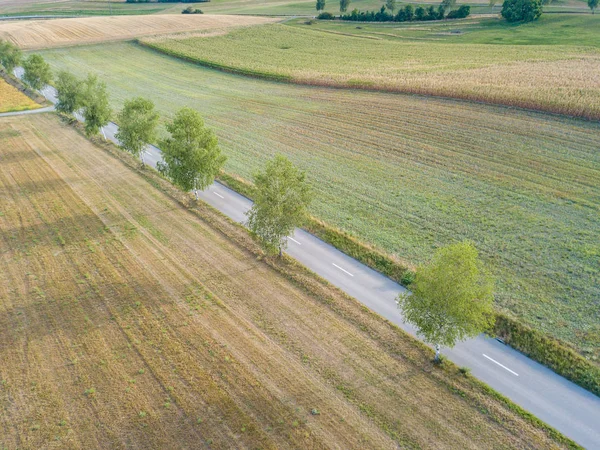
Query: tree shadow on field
[[10, 156], [77, 309], [46, 186], [62, 232]]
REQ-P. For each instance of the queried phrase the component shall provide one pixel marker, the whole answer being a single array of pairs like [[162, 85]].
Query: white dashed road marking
[[504, 367], [343, 270]]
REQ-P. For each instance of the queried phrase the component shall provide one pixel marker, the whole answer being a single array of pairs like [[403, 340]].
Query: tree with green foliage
[[419, 13], [137, 126], [390, 5], [452, 297], [37, 72], [593, 4], [10, 55], [521, 10], [69, 92], [344, 5], [192, 157], [320, 5], [96, 108], [280, 203]]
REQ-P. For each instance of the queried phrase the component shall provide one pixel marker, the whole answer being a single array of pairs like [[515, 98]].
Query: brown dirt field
[[130, 321], [36, 34]]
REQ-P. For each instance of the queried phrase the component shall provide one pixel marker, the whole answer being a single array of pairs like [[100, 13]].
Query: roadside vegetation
[[553, 78], [159, 320], [521, 186]]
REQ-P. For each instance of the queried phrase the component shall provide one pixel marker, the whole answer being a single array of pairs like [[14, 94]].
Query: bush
[[460, 13], [190, 10], [325, 16], [521, 10]]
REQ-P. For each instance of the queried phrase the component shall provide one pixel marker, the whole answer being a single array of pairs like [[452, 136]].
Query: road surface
[[565, 406]]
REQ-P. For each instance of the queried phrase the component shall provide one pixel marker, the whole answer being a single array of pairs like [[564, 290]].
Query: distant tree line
[[406, 14]]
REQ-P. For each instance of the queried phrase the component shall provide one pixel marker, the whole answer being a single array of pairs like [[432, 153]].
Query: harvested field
[[11, 99], [553, 78], [409, 174], [127, 321], [36, 34]]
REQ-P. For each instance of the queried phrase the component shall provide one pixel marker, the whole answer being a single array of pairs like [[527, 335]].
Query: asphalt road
[[565, 406]]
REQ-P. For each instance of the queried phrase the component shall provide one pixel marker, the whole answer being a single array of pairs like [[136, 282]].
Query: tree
[[419, 13], [192, 157], [280, 204], [96, 109], [37, 72], [452, 297], [320, 5], [492, 3], [593, 4], [521, 10], [448, 4], [69, 91], [10, 55], [344, 5], [137, 126], [391, 5]]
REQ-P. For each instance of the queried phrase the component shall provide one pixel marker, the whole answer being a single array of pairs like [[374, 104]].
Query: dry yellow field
[[36, 34], [130, 321], [11, 99]]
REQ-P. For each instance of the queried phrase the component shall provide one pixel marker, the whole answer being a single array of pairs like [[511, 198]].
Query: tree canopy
[[69, 91], [320, 5], [10, 55], [452, 297], [390, 5], [593, 4], [192, 157], [137, 125], [96, 108], [521, 10], [280, 204], [344, 5], [37, 72]]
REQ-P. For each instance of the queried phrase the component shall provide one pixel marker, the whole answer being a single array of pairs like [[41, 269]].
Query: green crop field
[[577, 30], [408, 173], [556, 78]]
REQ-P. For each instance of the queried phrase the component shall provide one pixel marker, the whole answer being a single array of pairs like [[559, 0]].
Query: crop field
[[11, 99], [576, 30], [35, 34], [128, 321], [555, 78], [408, 173]]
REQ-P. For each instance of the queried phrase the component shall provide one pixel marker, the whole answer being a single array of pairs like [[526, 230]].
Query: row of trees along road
[[452, 296]]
